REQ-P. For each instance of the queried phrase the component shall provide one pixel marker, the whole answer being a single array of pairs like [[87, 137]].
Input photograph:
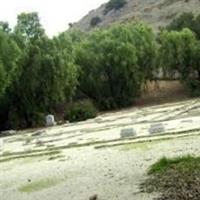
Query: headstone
[[156, 128], [50, 120], [128, 133]]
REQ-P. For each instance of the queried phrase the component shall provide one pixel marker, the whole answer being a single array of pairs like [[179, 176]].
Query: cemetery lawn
[[176, 178], [76, 161]]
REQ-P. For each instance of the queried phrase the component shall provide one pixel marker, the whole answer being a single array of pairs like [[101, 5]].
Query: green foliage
[[9, 57], [4, 26], [176, 50], [114, 5], [81, 111], [193, 86], [95, 21], [28, 25], [46, 75], [179, 52], [175, 178], [165, 163], [190, 72], [114, 63], [186, 20], [109, 66], [47, 78], [9, 66]]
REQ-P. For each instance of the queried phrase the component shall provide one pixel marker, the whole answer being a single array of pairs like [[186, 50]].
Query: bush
[[18, 121], [193, 86], [114, 5], [81, 111], [95, 20]]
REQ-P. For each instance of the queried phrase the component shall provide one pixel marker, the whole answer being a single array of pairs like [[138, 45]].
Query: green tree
[[67, 41], [179, 52], [114, 63], [176, 51], [186, 20], [4, 26], [48, 75], [9, 57], [28, 26]]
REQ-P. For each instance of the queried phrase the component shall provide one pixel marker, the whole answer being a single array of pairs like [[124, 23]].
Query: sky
[[55, 15]]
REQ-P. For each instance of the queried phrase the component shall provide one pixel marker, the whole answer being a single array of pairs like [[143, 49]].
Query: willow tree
[[9, 57], [179, 52], [114, 63], [47, 75]]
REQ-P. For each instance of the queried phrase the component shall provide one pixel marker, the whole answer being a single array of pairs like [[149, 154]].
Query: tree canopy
[[114, 63], [108, 67], [179, 51], [186, 20]]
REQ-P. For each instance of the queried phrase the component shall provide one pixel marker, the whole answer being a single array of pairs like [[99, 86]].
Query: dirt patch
[[162, 91]]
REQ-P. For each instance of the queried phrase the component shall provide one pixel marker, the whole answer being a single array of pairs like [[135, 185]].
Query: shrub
[[193, 86], [17, 121], [95, 20], [114, 5], [80, 111]]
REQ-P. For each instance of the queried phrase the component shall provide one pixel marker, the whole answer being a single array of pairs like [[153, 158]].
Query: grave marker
[[156, 128], [127, 133]]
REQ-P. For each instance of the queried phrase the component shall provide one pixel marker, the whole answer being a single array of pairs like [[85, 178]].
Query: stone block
[[156, 128], [128, 133]]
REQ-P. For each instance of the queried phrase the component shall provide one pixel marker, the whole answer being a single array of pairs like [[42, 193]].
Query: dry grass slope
[[156, 13]]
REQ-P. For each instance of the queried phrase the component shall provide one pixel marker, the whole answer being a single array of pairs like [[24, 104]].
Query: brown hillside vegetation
[[157, 13]]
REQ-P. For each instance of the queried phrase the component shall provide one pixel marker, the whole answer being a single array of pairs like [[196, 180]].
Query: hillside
[[156, 13]]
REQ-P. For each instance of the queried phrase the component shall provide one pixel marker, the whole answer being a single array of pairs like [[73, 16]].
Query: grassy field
[[176, 178]]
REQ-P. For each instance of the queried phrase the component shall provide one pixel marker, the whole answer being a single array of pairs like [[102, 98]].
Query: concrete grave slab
[[128, 133], [156, 128]]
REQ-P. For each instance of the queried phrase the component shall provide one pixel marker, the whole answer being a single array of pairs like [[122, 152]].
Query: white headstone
[[50, 120]]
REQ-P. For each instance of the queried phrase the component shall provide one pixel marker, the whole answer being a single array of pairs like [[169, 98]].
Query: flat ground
[[76, 161]]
